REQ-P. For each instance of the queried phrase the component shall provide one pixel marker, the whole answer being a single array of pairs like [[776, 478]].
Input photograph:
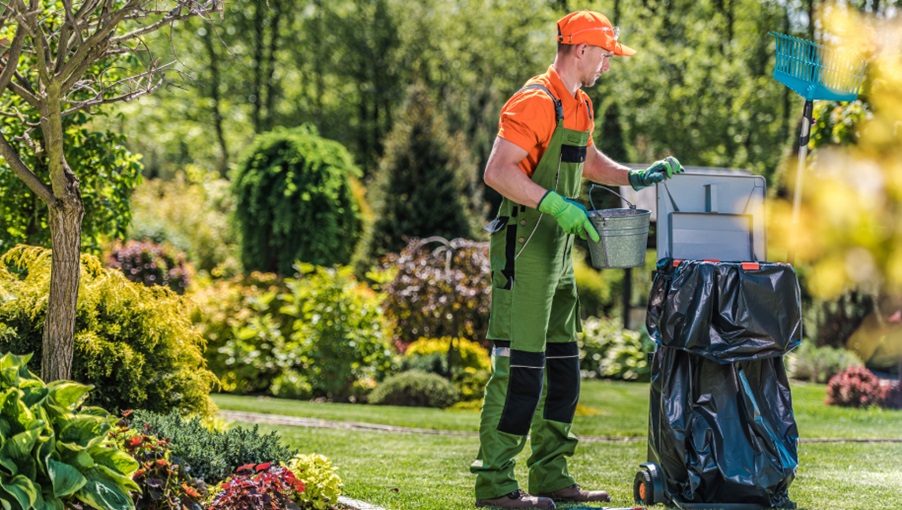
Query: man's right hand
[[570, 215]]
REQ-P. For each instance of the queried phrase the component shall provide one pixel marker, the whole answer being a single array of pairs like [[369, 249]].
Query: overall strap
[[558, 106]]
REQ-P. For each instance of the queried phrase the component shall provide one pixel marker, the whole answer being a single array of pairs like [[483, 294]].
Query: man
[[544, 146]]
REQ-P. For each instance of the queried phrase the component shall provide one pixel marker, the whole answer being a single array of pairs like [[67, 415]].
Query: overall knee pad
[[563, 382], [527, 372]]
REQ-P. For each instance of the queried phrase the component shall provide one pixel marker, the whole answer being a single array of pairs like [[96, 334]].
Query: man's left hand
[[657, 172]]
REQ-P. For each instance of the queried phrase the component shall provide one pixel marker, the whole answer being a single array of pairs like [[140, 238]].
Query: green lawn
[[416, 471]]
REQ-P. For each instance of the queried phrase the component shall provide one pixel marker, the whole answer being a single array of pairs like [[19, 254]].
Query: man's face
[[597, 61]]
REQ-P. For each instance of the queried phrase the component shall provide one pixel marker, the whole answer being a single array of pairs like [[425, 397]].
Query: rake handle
[[804, 137]]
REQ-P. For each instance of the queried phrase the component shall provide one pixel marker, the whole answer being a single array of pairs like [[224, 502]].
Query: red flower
[[162, 462], [263, 467], [246, 467], [134, 441]]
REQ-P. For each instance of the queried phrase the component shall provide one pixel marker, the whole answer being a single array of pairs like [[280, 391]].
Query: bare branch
[[12, 59], [34, 183], [25, 94], [69, 26], [80, 61]]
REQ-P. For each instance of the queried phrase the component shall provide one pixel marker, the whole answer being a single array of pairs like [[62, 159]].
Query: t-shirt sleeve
[[527, 121]]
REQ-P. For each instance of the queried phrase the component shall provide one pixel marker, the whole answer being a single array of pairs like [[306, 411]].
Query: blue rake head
[[815, 72]]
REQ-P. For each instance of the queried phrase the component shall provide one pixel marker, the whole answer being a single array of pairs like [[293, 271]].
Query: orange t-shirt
[[528, 120]]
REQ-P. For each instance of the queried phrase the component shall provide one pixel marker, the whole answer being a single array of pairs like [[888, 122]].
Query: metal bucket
[[623, 235]]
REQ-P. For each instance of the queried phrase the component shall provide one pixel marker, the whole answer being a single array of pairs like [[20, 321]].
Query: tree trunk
[[59, 326], [66, 211]]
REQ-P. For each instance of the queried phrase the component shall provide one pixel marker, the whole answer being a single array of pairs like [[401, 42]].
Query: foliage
[[608, 350], [54, 448], [164, 480], [133, 343], [854, 387], [819, 364], [212, 455], [321, 334], [338, 339], [438, 293], [462, 361], [322, 486], [108, 175], [235, 316], [415, 388], [423, 183], [892, 395], [192, 213], [293, 201], [258, 486], [599, 291], [151, 264]]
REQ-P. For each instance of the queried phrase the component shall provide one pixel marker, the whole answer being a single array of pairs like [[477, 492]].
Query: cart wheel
[[643, 489]]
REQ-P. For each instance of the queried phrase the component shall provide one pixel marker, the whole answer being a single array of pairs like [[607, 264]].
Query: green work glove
[[570, 215], [657, 172]]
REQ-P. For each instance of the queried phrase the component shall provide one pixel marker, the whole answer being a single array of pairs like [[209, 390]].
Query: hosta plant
[[54, 451]]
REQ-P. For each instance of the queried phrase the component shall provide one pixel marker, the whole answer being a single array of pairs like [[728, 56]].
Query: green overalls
[[533, 323]]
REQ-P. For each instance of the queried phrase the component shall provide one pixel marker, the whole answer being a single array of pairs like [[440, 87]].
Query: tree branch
[[12, 59], [11, 155], [25, 94], [42, 45]]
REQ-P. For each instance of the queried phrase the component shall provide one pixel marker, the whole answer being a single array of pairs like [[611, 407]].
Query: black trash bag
[[721, 426], [725, 313]]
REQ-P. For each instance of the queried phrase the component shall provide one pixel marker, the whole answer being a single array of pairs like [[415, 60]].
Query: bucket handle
[[593, 186]]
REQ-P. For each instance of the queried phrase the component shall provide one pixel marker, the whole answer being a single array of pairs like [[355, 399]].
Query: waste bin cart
[[721, 428]]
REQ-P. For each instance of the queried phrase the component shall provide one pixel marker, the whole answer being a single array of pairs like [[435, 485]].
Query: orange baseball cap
[[591, 28]]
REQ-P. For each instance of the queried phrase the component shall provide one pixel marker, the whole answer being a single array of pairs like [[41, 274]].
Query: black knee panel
[[523, 391], [563, 382]]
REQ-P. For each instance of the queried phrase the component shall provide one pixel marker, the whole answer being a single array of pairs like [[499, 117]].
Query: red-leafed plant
[[164, 480], [854, 387], [259, 487]]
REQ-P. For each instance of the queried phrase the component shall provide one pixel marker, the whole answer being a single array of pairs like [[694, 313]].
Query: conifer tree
[[425, 184]]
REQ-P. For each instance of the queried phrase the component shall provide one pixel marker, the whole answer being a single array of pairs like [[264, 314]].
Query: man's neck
[[567, 74]]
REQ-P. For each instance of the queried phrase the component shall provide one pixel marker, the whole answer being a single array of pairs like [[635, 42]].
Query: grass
[[415, 471]]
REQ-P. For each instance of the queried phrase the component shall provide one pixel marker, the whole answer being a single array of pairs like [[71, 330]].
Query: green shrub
[[819, 364], [236, 316], [293, 201], [192, 212], [339, 339], [52, 448], [438, 290], [291, 384], [150, 264], [607, 350], [600, 292], [322, 486], [470, 363], [212, 455], [415, 388], [133, 343]]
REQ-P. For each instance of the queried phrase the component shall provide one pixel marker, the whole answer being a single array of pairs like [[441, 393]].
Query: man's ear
[[581, 49]]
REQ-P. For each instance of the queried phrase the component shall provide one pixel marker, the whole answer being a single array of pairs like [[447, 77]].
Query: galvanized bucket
[[623, 235]]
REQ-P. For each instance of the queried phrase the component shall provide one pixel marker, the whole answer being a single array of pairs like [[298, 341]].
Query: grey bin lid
[[711, 216]]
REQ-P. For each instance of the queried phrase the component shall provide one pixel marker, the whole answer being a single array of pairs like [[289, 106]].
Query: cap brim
[[622, 50]]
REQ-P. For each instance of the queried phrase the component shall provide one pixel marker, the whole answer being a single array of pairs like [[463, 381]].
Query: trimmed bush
[[415, 388], [854, 387], [133, 343], [470, 364], [438, 290], [151, 264], [212, 455], [293, 201], [819, 364], [892, 395], [322, 486], [53, 449]]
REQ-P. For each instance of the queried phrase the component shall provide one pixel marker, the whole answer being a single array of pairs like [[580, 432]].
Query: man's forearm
[[515, 185], [604, 170]]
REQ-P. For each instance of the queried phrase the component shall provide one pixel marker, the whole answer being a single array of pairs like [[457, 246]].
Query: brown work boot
[[517, 499], [575, 493]]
